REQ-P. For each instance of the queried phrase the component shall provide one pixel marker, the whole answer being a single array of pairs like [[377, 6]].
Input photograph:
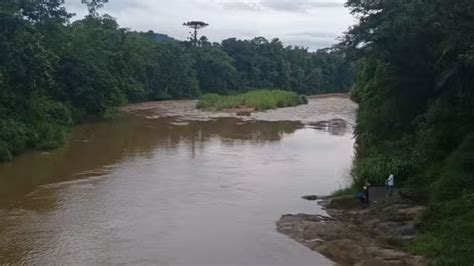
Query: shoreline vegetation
[[415, 115], [56, 73], [259, 100], [415, 70]]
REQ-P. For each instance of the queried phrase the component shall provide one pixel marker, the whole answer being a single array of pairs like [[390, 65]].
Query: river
[[167, 187]]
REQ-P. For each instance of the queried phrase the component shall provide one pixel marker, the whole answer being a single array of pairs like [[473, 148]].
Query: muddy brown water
[[154, 188]]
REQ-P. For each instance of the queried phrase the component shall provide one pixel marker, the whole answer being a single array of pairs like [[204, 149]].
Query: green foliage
[[259, 99], [348, 191], [416, 115], [303, 99], [14, 135], [447, 231], [48, 136], [5, 154], [94, 5], [215, 70], [176, 76], [89, 72], [54, 73], [268, 64], [157, 70], [457, 176], [55, 112]]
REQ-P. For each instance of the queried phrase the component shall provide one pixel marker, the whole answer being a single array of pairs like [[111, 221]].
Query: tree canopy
[[416, 111], [54, 73]]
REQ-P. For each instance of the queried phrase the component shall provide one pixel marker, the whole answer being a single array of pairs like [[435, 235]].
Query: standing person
[[389, 184], [366, 191]]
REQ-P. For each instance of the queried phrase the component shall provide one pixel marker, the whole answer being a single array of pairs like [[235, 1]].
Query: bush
[[457, 174], [15, 136], [5, 154], [208, 101], [447, 230], [447, 226], [56, 112], [259, 99], [43, 127], [377, 168], [348, 191], [49, 136], [303, 99]]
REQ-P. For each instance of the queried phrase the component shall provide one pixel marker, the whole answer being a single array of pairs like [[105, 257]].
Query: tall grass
[[346, 191], [447, 233], [259, 99]]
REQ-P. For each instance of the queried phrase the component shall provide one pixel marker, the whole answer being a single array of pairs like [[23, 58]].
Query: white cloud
[[299, 6], [314, 24]]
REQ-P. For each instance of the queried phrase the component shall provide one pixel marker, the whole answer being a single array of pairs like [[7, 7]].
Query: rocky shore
[[356, 234]]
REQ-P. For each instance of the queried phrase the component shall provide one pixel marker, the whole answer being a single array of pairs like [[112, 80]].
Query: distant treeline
[[54, 73]]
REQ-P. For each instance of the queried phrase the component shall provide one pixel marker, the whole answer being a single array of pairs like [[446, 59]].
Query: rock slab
[[356, 235]]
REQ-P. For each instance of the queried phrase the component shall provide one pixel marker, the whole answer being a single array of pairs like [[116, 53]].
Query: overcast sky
[[309, 23]]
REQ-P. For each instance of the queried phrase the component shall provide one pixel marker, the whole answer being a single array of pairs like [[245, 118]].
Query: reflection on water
[[338, 127], [95, 145], [158, 191]]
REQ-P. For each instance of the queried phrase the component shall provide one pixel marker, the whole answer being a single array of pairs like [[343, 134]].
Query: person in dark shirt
[[366, 191]]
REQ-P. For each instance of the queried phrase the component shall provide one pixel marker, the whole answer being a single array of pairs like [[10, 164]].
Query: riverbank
[[320, 108], [193, 177], [358, 234]]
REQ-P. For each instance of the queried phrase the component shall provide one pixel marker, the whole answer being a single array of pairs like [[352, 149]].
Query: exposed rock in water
[[357, 235], [314, 197], [310, 198], [332, 125]]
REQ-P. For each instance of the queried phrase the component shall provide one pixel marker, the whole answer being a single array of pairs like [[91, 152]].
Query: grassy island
[[258, 99]]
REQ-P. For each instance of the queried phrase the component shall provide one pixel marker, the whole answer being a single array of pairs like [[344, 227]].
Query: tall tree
[[93, 6], [416, 111]]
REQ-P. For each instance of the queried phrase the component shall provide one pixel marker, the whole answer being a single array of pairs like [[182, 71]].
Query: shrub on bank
[[259, 99], [14, 138], [447, 228], [346, 191], [446, 233], [44, 130], [5, 154]]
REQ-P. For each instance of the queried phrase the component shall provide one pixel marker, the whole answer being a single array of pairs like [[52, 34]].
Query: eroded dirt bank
[[354, 234]]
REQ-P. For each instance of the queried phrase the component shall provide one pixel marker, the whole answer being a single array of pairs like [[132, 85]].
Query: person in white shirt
[[389, 184]]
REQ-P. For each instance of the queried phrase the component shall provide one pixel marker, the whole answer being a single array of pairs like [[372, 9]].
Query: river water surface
[[150, 188]]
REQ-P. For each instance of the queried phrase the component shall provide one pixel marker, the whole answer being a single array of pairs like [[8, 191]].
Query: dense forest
[[414, 87], [55, 73], [415, 93]]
